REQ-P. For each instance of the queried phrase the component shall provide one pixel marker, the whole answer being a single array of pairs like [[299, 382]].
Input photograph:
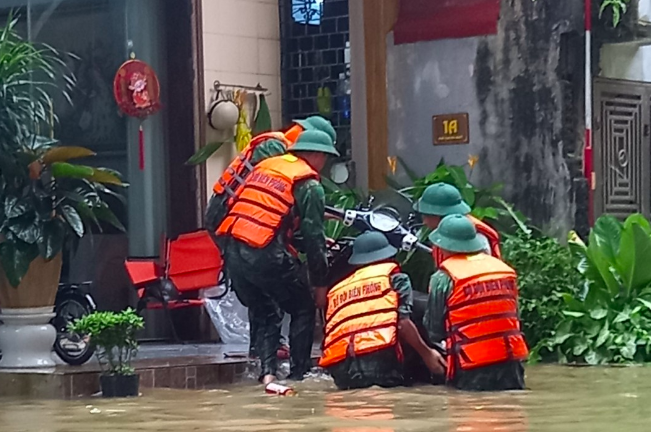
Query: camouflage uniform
[[217, 210], [271, 279]]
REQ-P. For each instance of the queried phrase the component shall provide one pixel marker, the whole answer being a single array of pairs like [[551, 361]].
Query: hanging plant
[[618, 8]]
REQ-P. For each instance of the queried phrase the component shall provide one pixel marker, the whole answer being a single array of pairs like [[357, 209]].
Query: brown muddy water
[[559, 399]]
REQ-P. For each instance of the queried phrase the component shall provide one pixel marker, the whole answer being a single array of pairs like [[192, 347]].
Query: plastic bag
[[230, 318]]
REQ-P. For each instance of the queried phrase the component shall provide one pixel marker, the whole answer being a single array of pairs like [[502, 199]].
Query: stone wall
[[522, 84], [523, 91]]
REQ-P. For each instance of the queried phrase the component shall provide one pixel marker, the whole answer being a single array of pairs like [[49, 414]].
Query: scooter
[[73, 301]]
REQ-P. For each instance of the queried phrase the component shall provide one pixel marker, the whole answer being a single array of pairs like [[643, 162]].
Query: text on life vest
[[494, 287], [266, 180], [356, 292]]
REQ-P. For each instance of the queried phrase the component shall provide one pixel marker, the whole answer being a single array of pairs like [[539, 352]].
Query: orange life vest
[[239, 168], [482, 228], [362, 315], [491, 234], [482, 321], [260, 205]]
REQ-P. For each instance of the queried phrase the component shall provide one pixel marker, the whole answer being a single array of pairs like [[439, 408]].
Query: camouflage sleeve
[[267, 149], [440, 287], [310, 202], [402, 285]]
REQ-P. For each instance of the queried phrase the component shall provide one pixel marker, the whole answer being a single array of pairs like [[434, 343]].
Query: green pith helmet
[[315, 141], [318, 123], [456, 233], [371, 247], [441, 199]]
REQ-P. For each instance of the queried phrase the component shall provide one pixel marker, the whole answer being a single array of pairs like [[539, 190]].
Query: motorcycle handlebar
[[334, 212], [339, 214]]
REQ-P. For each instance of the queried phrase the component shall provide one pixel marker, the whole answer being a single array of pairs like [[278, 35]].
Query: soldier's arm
[[310, 202], [434, 320], [402, 285], [407, 329]]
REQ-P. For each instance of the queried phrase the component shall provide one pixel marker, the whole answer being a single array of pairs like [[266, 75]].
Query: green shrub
[[546, 270], [114, 337]]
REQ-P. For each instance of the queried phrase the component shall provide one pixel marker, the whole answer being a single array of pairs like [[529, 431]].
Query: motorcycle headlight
[[383, 222]]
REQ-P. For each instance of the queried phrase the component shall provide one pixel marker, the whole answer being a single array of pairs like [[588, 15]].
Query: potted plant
[[113, 335], [46, 201]]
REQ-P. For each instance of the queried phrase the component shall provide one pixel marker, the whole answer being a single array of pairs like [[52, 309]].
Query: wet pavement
[[559, 399]]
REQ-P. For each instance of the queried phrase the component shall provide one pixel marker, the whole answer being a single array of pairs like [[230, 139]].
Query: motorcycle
[[73, 301]]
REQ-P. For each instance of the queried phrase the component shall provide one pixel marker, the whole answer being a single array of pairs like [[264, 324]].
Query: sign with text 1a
[[451, 129]]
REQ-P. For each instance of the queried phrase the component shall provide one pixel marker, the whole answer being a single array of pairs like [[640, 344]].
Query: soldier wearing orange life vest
[[367, 318], [473, 306], [262, 147], [281, 195], [440, 200]]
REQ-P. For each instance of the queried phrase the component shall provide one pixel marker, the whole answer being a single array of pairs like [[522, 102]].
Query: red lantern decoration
[[137, 92]]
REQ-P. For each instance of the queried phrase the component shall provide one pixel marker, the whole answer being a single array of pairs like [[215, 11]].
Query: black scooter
[[73, 301]]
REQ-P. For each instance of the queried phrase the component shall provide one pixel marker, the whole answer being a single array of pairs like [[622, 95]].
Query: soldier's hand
[[435, 362], [321, 297]]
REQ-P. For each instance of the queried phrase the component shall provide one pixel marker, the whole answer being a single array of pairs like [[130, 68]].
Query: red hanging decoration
[[137, 92]]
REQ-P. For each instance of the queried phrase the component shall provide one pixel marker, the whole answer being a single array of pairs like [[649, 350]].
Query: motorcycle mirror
[[339, 173]]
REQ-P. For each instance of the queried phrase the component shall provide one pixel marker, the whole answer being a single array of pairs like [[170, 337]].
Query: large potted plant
[[113, 335], [46, 201]]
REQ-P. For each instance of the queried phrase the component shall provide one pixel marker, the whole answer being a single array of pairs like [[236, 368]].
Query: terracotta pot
[[37, 289]]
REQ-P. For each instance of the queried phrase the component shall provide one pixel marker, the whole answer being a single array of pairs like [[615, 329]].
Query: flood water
[[559, 399]]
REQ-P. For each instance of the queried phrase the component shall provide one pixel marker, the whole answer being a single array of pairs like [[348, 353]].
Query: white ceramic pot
[[26, 338]]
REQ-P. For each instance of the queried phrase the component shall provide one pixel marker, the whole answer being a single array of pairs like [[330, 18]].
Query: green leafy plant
[[114, 337], [609, 321], [486, 203], [46, 200], [617, 7], [546, 271], [342, 199], [204, 153]]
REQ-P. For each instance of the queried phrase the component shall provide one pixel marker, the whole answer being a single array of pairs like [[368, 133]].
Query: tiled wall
[[312, 56], [241, 40]]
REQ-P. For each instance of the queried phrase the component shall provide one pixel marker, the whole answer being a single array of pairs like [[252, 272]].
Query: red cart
[[187, 264]]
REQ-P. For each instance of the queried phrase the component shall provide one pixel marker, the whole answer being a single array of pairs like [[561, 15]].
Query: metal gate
[[621, 148]]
